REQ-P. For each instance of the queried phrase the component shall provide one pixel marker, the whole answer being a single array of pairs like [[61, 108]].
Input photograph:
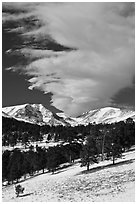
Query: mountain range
[[38, 114]]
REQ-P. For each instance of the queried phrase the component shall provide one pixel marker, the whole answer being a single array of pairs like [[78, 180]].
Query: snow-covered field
[[103, 183]]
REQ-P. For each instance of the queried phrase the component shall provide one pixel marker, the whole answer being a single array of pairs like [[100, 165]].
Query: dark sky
[[14, 84], [125, 97], [15, 76]]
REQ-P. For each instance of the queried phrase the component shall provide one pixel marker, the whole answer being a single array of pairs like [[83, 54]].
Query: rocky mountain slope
[[38, 114], [105, 115], [33, 113]]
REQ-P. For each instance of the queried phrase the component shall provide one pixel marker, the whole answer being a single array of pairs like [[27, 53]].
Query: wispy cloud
[[102, 62]]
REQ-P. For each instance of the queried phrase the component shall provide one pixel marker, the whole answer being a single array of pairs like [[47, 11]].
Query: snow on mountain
[[70, 120], [11, 110], [33, 113], [38, 114], [5, 115], [105, 115]]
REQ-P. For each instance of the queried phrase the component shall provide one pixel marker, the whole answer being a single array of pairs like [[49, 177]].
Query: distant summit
[[33, 113], [38, 114], [105, 115]]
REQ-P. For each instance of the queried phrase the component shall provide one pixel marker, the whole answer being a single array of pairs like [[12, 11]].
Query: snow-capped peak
[[38, 114], [11, 110], [105, 115], [33, 113]]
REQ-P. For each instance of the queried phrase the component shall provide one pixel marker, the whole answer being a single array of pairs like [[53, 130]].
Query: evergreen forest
[[86, 144]]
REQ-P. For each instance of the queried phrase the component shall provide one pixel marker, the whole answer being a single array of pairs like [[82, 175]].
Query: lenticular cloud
[[100, 63]]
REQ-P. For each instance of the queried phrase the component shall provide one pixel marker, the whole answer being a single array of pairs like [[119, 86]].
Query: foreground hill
[[38, 114], [103, 183]]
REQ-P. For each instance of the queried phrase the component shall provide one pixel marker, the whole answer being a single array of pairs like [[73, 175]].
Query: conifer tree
[[89, 152], [42, 158], [5, 162], [113, 146], [15, 165]]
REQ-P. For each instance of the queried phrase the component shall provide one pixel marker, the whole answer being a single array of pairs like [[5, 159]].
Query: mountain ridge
[[38, 114]]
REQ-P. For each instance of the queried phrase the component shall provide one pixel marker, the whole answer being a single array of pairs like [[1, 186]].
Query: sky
[[72, 57]]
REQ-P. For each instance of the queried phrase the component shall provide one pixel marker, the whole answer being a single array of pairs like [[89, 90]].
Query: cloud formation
[[102, 62]]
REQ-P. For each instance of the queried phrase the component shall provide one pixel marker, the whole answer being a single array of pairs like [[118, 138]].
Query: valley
[[68, 101], [85, 159]]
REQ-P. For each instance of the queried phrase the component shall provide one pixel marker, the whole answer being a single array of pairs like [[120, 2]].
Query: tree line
[[14, 132], [100, 142], [17, 163]]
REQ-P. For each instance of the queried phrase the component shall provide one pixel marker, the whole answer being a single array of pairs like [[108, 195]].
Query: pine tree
[[5, 162], [54, 158], [113, 146], [32, 158], [42, 157], [15, 165], [89, 152]]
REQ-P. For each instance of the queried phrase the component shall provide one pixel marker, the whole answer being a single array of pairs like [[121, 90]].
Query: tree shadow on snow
[[63, 168], [31, 177], [24, 195], [98, 168]]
